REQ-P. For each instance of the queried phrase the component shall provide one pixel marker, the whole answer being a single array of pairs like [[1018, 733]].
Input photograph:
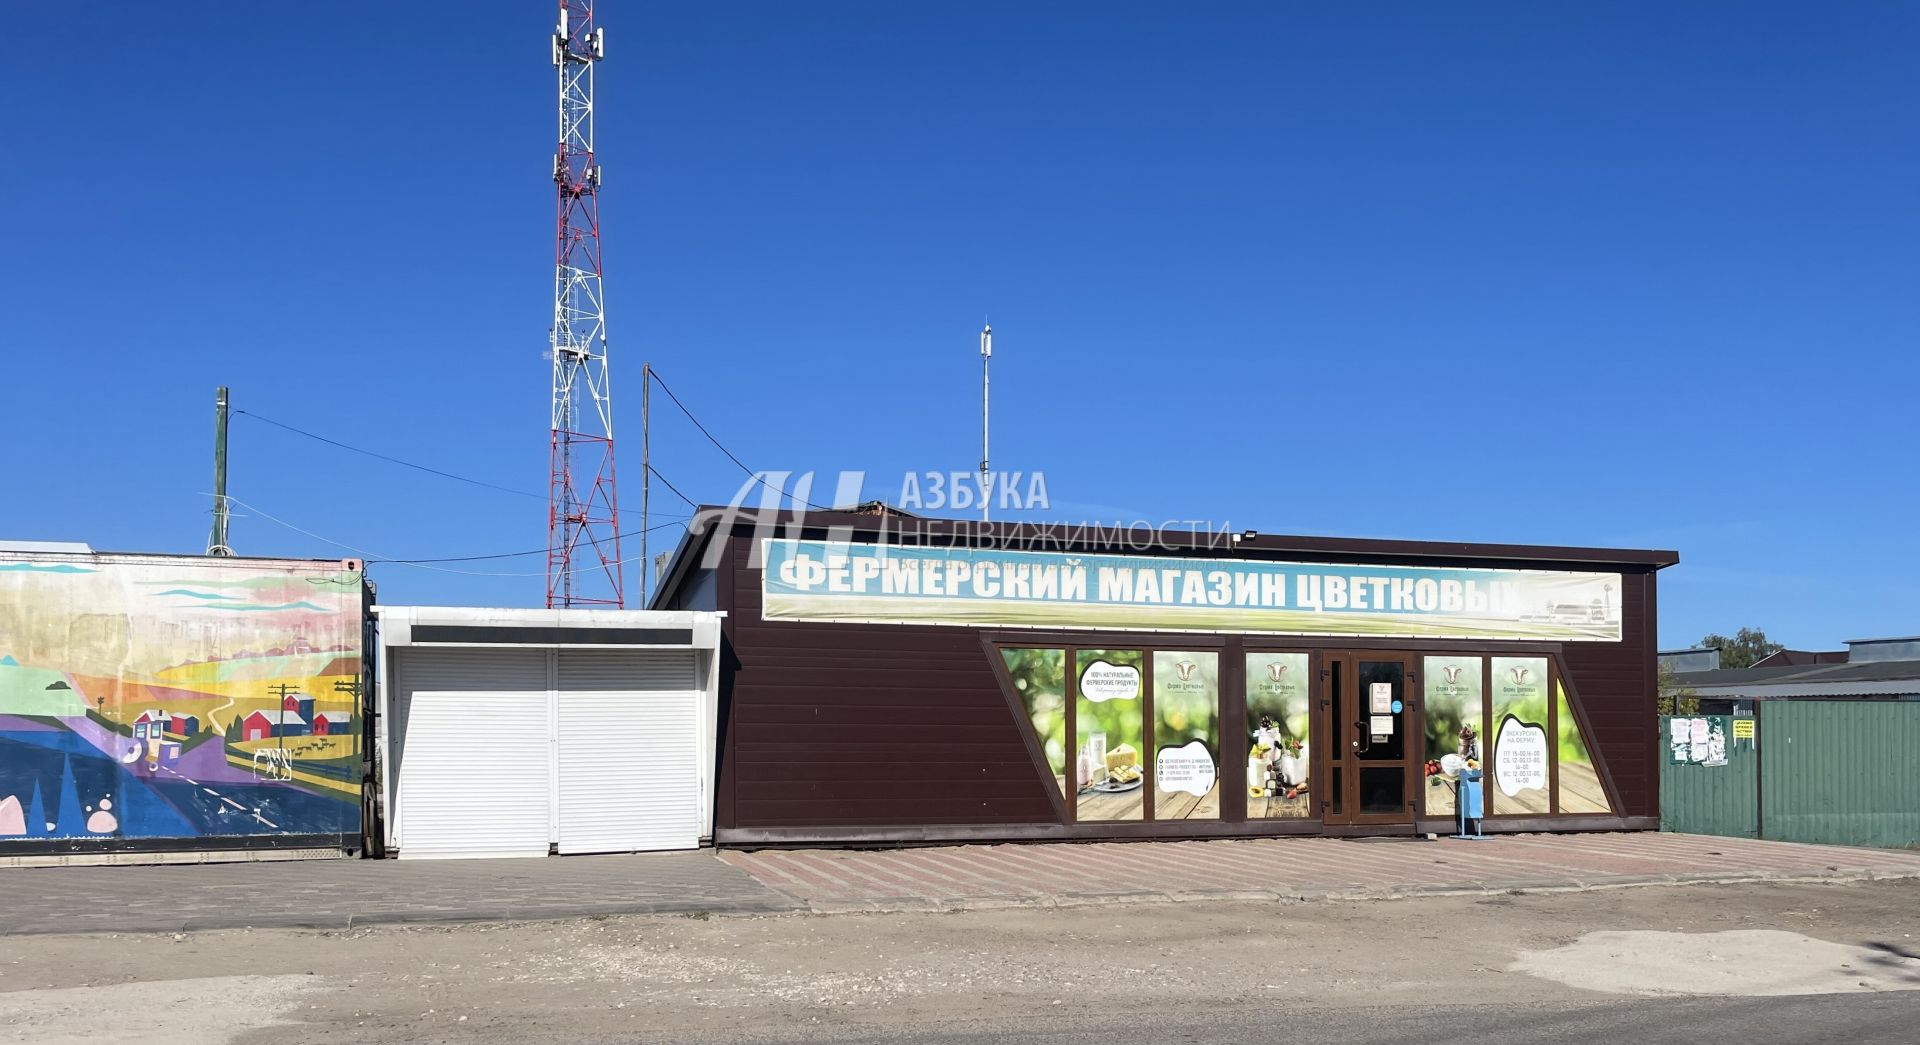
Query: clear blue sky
[[1614, 274]]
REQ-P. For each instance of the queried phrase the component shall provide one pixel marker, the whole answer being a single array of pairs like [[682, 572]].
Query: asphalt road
[[1752, 964], [1883, 1019]]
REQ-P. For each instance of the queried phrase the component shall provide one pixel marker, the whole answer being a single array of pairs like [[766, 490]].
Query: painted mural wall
[[145, 699]]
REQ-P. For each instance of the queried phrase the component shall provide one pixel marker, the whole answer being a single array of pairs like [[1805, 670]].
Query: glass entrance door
[[1370, 756]]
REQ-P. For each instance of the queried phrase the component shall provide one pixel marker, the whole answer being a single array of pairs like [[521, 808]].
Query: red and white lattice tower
[[583, 513]]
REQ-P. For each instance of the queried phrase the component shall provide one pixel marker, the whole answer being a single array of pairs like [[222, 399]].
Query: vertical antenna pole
[[646, 476], [217, 540], [986, 356]]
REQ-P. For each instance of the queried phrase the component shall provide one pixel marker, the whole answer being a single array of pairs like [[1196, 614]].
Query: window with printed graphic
[[1040, 679], [1580, 789], [1519, 755], [1279, 772], [1109, 734], [1186, 744], [1456, 727]]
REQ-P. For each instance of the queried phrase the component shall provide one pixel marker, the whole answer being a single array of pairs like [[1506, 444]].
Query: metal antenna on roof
[[986, 357]]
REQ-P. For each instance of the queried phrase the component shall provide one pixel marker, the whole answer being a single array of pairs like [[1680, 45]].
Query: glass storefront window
[[1456, 724], [1278, 712], [1142, 738], [1109, 767], [1580, 788], [1517, 753], [1040, 678], [1186, 764]]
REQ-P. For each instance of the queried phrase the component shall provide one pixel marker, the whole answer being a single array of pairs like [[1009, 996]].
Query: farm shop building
[[904, 679]]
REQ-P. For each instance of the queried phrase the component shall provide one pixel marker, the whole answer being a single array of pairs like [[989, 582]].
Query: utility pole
[[217, 540], [986, 357], [646, 476], [583, 509]]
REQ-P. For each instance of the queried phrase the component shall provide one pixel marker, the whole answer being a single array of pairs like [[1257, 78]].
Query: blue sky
[[1620, 274]]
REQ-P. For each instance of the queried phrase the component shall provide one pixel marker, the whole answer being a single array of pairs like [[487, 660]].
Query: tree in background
[[1676, 698], [1748, 646]]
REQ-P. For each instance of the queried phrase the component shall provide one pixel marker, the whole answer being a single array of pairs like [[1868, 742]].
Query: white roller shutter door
[[629, 738], [474, 760]]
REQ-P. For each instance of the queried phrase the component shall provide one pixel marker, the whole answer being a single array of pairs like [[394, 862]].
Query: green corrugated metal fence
[[1828, 771], [1711, 800], [1841, 772]]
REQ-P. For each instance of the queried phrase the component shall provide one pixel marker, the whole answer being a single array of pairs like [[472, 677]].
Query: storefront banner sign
[[1188, 768], [1519, 757], [1101, 682], [902, 584]]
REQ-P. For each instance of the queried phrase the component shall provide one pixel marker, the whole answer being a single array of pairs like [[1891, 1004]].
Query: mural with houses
[[144, 698]]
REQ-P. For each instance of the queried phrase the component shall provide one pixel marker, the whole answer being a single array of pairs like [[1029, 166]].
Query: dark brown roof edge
[[1075, 535]]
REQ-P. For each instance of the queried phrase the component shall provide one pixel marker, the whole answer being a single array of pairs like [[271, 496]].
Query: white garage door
[[629, 737], [474, 762]]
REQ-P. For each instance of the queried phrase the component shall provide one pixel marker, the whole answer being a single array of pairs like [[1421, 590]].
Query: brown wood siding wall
[[849, 724], [882, 725], [1615, 685]]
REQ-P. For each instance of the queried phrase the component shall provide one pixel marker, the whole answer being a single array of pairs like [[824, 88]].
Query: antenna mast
[[986, 357], [583, 509]]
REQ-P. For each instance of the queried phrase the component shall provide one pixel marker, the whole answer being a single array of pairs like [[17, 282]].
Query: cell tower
[[583, 514]]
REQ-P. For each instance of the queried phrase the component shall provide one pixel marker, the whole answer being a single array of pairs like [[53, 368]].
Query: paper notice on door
[[1380, 698], [1382, 726]]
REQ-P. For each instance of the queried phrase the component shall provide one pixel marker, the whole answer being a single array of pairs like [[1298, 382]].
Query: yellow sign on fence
[[1743, 729]]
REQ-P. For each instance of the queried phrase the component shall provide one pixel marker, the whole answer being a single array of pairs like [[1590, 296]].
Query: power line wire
[[389, 459], [751, 474], [691, 503], [465, 558], [426, 564]]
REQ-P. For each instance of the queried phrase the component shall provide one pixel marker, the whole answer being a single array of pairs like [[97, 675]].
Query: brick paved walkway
[[336, 894], [960, 877], [342, 893]]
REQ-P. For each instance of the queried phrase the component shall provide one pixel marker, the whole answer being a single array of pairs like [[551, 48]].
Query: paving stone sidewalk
[[335, 894], [978, 877]]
